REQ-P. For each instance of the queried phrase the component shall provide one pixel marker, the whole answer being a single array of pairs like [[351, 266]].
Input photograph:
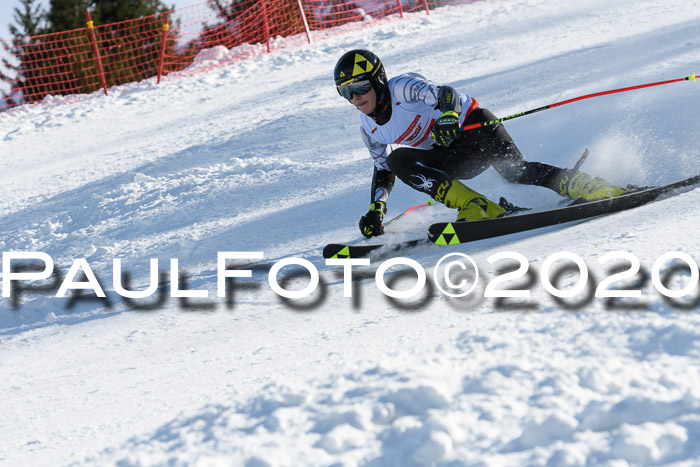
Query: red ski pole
[[569, 101], [414, 208]]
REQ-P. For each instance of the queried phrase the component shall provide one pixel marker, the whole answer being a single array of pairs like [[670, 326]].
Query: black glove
[[446, 129], [371, 223]]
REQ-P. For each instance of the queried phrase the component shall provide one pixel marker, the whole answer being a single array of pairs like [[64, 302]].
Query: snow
[[263, 156]]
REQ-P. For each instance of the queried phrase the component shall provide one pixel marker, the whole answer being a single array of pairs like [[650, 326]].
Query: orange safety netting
[[85, 60]]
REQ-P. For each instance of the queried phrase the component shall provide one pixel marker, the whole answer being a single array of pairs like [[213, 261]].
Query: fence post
[[96, 51], [266, 27], [425, 4], [303, 17], [398, 2], [161, 61]]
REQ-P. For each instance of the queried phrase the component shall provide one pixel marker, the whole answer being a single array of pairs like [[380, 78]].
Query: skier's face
[[365, 103]]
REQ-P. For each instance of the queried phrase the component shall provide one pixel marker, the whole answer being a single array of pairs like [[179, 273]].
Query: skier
[[426, 120]]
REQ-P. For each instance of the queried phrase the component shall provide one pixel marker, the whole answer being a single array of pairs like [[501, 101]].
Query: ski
[[343, 251], [452, 233]]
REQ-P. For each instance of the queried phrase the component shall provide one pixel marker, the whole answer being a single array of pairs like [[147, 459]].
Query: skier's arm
[[383, 178], [447, 128], [448, 100], [382, 184], [378, 151], [414, 88]]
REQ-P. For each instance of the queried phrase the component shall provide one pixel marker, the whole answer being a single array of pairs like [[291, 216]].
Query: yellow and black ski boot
[[580, 186], [470, 204]]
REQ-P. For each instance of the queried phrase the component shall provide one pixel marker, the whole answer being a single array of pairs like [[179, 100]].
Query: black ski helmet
[[358, 65]]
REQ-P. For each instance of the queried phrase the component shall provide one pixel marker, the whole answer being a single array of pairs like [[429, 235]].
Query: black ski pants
[[474, 152]]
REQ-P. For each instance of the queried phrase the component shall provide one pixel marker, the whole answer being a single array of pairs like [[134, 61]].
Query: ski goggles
[[355, 87]]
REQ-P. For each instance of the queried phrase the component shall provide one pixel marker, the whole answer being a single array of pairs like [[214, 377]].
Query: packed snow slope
[[264, 156]]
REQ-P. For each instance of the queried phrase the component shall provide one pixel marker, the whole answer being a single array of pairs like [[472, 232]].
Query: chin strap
[[382, 113]]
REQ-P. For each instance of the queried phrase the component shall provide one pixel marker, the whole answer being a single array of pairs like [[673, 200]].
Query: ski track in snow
[[263, 155]]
